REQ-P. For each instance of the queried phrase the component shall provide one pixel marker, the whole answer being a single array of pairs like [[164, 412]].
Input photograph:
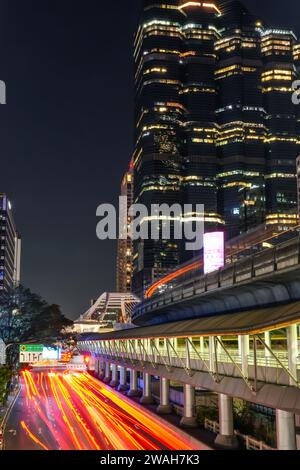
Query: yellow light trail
[[98, 410], [86, 415], [152, 425], [86, 431], [65, 418], [32, 436]]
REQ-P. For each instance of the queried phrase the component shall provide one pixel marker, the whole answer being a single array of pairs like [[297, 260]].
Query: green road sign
[[31, 348]]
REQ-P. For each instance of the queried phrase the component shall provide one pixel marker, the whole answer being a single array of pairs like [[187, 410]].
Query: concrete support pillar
[[226, 438], [99, 367], [165, 347], [268, 343], [96, 366], [285, 430], [189, 419], [133, 391], [123, 380], [292, 345], [101, 374], [202, 345], [164, 407], [147, 397], [244, 353], [114, 379], [107, 377], [212, 358], [219, 348], [188, 353]]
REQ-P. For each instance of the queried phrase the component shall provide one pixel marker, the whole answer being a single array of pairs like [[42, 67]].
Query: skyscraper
[[10, 247], [215, 122], [282, 142], [125, 246], [258, 137], [240, 116], [175, 156]]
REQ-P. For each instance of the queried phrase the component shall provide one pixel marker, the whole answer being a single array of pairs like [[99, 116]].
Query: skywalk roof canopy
[[250, 322]]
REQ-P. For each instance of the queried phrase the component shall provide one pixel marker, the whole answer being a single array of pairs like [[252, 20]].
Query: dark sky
[[66, 133]]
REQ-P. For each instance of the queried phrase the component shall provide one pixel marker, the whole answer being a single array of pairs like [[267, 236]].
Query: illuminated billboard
[[214, 251]]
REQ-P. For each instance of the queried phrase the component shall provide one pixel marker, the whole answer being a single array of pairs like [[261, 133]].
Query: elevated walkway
[[251, 355], [269, 278]]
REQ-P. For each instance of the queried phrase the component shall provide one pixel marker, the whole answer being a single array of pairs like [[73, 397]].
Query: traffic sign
[[31, 348], [30, 357], [30, 353]]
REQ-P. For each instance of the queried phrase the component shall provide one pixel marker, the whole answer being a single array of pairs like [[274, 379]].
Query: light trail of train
[[197, 265]]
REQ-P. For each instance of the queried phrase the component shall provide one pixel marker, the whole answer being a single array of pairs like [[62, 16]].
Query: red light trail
[[74, 411]]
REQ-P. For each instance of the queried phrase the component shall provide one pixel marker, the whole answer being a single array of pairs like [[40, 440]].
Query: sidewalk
[[5, 409], [3, 413]]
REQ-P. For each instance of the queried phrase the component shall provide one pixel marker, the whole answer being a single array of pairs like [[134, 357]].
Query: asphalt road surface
[[74, 411]]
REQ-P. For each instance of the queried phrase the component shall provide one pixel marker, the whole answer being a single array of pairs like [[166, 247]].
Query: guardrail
[[253, 444], [212, 426], [250, 442], [279, 258]]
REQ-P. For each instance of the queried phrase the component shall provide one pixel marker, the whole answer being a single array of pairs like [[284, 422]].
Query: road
[[74, 411]]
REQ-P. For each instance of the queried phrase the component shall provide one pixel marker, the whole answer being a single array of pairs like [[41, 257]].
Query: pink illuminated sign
[[214, 251]]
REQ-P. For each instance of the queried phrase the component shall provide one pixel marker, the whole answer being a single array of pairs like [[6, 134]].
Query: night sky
[[66, 133]]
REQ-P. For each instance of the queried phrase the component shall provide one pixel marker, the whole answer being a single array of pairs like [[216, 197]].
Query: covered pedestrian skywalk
[[252, 355]]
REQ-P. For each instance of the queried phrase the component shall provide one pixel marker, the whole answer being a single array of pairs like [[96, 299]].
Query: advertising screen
[[214, 252]]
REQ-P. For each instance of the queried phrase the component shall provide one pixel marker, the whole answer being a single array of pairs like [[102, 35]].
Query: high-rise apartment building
[[215, 121], [10, 247], [125, 246]]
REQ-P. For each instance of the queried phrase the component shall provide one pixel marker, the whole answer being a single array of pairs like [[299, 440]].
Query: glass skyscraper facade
[[215, 122], [10, 247], [125, 246], [240, 116]]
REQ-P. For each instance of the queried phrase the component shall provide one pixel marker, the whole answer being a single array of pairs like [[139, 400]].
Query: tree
[[207, 412], [50, 322], [5, 377], [244, 417], [26, 317], [19, 308]]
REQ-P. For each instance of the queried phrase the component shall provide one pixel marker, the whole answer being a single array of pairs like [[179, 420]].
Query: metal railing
[[250, 442], [212, 426], [163, 354], [260, 367]]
